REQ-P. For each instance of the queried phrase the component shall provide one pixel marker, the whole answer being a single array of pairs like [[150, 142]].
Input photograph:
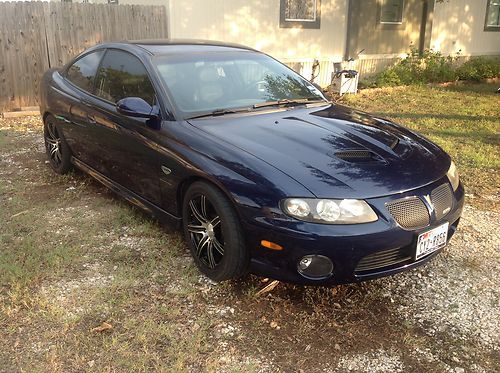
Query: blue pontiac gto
[[262, 172]]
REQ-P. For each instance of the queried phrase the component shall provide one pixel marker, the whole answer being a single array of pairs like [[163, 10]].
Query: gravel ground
[[458, 292], [454, 299], [452, 302]]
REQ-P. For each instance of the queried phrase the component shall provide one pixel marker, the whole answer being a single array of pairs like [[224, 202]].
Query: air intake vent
[[383, 259], [356, 155]]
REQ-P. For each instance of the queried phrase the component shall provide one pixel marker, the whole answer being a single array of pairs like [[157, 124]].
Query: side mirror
[[135, 107]]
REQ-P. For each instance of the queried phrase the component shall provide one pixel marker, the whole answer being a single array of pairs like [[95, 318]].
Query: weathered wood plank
[[35, 36]]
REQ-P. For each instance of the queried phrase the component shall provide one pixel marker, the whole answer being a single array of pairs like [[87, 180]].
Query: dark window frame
[[486, 26], [390, 25], [305, 24]]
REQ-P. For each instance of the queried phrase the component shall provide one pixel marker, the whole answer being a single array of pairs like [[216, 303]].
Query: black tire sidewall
[[65, 165], [234, 263]]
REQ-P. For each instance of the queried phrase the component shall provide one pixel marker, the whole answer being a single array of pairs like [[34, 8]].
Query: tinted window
[[82, 72], [123, 75]]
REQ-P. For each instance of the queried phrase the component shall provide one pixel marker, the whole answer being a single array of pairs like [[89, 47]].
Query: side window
[[123, 75], [391, 11], [83, 71]]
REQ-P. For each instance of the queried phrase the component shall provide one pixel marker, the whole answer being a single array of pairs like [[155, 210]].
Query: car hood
[[334, 151]]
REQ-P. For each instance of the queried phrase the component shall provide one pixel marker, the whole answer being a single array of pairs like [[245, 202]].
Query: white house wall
[[459, 26], [255, 23]]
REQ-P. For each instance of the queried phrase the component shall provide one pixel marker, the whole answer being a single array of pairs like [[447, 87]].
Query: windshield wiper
[[220, 112], [287, 102]]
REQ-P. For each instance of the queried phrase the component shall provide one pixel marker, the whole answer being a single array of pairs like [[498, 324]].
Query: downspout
[[423, 27], [348, 33]]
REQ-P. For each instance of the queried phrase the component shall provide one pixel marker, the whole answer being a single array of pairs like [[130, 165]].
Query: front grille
[[409, 213], [382, 259], [442, 199]]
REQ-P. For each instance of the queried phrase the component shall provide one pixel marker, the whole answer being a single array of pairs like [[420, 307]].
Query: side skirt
[[130, 196]]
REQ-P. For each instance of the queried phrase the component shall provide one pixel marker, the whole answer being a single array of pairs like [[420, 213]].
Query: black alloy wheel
[[213, 233], [204, 227], [56, 147]]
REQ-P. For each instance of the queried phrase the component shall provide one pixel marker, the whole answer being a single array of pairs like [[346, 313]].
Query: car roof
[[167, 46]]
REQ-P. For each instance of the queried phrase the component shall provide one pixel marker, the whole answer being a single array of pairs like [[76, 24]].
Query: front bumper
[[344, 245]]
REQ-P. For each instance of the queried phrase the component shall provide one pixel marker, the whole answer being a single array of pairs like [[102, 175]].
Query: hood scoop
[[358, 156]]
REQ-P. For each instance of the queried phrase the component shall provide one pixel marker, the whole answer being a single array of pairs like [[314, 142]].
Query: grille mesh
[[410, 213], [442, 199], [383, 259]]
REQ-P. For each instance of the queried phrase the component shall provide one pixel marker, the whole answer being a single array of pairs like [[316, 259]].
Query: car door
[[125, 145], [79, 81]]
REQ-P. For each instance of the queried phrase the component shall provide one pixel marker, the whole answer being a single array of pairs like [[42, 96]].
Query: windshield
[[206, 82]]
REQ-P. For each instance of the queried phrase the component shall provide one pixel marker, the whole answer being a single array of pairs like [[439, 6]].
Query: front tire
[[213, 233], [56, 147]]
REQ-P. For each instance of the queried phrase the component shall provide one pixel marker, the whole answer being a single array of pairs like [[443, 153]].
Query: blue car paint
[[258, 159]]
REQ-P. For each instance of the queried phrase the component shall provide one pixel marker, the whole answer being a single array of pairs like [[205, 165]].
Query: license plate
[[431, 241]]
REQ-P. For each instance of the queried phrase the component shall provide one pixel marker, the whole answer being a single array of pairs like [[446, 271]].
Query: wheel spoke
[[52, 131], [51, 141], [217, 246], [198, 216], [201, 244], [210, 255], [58, 156], [203, 204], [196, 229], [53, 150], [215, 221]]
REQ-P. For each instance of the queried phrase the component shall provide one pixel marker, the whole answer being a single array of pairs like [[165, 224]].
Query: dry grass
[[73, 256]]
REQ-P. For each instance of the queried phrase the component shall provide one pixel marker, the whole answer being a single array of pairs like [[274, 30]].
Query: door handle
[[91, 119]]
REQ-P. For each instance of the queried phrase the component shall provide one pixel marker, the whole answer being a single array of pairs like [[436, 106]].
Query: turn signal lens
[[271, 245]]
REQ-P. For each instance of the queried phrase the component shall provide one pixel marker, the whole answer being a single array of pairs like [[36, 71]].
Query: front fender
[[187, 155]]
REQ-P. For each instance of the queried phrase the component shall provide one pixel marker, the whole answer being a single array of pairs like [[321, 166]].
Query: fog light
[[315, 267]]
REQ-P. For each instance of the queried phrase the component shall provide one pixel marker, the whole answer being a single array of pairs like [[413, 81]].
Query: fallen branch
[[267, 288]]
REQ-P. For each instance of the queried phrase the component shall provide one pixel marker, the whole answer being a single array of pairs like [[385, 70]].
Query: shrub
[[387, 78], [479, 68], [433, 67], [416, 68]]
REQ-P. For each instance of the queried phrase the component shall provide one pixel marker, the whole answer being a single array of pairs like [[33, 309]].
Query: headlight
[[453, 176], [329, 211]]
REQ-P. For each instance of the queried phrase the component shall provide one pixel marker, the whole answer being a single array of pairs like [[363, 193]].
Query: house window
[[492, 16], [300, 13], [391, 11]]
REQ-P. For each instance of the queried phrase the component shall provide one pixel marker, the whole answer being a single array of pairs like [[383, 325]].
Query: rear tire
[[213, 233], [56, 146]]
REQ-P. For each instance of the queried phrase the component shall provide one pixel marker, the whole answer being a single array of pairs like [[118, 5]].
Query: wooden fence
[[35, 36]]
